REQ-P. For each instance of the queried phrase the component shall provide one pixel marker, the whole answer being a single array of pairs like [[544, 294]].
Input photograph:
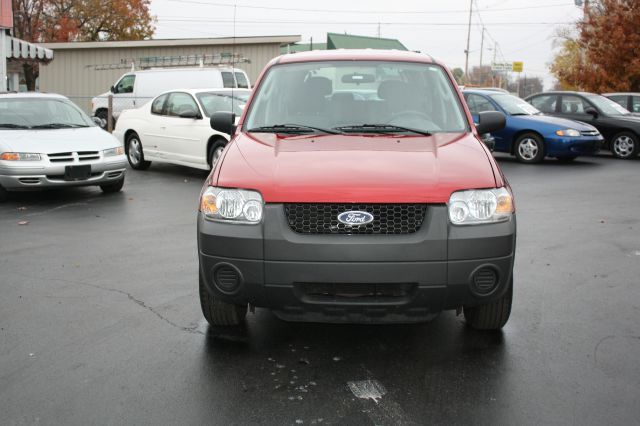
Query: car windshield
[[356, 97], [607, 106], [514, 105], [41, 113], [212, 102]]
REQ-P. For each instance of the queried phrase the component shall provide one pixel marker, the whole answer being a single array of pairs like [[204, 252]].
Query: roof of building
[[281, 40], [302, 47], [348, 41], [20, 49]]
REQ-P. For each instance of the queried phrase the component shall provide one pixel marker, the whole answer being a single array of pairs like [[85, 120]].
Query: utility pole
[[481, 50], [466, 61]]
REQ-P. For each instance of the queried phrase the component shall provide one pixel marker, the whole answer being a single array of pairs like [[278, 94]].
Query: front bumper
[[572, 146], [355, 278], [43, 174]]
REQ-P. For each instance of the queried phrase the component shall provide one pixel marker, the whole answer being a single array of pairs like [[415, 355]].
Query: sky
[[521, 30]]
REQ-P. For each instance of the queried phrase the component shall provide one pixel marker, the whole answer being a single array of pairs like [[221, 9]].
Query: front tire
[[4, 195], [625, 145], [215, 152], [113, 187], [104, 115], [492, 316], [135, 153], [217, 312], [529, 148]]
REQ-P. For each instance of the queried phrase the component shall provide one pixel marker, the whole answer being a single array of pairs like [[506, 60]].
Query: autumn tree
[[42, 21], [604, 56]]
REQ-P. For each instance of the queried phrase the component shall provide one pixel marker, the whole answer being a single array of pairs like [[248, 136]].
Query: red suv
[[356, 189]]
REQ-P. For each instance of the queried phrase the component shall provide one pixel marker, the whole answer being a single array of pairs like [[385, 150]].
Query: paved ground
[[100, 322]]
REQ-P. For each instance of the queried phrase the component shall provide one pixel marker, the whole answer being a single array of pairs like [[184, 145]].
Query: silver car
[[47, 141]]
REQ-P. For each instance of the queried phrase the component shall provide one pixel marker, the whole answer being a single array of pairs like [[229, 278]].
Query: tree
[[42, 21], [604, 57], [458, 74]]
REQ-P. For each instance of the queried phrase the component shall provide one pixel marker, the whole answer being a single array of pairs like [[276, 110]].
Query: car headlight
[[232, 205], [472, 207], [113, 151], [568, 132], [20, 156]]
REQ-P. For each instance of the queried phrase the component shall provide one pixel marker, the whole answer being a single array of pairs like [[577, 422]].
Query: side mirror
[[592, 112], [223, 122], [100, 122], [490, 121], [112, 89], [190, 114]]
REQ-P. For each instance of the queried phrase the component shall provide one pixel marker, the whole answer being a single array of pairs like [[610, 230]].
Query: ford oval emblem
[[355, 218]]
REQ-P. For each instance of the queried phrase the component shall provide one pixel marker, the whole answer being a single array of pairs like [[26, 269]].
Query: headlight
[[568, 132], [232, 205], [113, 151], [20, 156], [480, 206]]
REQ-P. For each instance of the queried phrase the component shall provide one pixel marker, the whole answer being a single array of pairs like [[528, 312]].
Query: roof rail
[[148, 62]]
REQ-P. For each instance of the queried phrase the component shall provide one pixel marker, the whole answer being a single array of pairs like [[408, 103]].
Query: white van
[[136, 88]]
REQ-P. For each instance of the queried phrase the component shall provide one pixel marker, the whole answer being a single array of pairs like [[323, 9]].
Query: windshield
[[213, 102], [351, 96], [45, 113], [607, 106], [514, 105]]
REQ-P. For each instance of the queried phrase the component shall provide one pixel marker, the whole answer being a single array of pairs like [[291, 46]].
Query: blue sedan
[[530, 135]]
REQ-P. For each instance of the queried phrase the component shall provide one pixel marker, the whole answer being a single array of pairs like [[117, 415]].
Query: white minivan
[[136, 88]]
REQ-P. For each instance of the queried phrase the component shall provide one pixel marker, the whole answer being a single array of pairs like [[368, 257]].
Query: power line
[[272, 22], [360, 12]]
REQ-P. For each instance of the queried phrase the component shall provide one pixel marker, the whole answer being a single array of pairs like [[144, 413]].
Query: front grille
[[88, 155], [388, 219], [589, 133], [354, 293], [61, 157], [67, 157]]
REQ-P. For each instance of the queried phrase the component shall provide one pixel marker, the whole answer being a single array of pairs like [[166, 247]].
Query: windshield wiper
[[57, 126], [519, 113], [12, 126], [381, 128], [292, 128]]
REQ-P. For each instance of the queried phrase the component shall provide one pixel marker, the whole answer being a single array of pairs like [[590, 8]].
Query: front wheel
[[625, 145], [215, 152], [217, 312], [492, 316], [529, 148], [135, 154]]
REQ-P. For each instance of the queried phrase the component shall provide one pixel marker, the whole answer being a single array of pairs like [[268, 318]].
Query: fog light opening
[[484, 280], [227, 278]]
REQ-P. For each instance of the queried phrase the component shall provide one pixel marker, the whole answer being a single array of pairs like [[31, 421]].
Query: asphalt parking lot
[[100, 321]]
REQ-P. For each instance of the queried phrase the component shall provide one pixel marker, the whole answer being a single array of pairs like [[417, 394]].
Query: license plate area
[[73, 173]]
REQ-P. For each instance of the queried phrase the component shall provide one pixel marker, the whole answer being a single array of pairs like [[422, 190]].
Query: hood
[[49, 141], [562, 123], [356, 168]]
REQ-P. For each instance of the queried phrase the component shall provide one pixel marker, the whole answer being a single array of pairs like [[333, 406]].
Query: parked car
[[47, 141], [629, 101], [619, 128], [174, 127], [531, 136], [136, 88], [328, 206]]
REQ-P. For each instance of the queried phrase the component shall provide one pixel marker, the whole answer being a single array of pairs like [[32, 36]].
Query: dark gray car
[[620, 129]]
